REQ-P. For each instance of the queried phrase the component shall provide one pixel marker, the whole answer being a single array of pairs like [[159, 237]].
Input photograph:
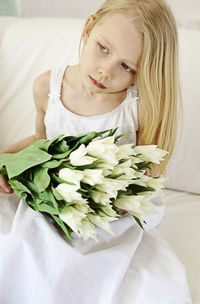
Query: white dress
[[38, 265]]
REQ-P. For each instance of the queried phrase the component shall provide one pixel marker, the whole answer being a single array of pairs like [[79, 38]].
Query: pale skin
[[96, 85]]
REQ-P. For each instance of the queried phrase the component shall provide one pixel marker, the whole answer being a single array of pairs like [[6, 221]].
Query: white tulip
[[136, 205], [72, 217], [124, 167], [107, 172], [108, 210], [69, 192], [106, 166], [87, 230], [73, 176], [125, 151], [156, 183], [79, 158], [102, 222], [111, 186], [83, 206], [150, 153], [135, 160], [92, 176], [100, 197], [104, 149]]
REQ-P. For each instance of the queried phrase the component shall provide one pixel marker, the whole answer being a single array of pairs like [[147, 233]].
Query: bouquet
[[85, 181]]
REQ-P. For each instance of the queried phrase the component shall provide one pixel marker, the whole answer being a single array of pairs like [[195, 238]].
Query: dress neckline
[[75, 115]]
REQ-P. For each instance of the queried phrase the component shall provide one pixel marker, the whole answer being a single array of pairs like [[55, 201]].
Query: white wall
[[186, 12], [59, 8]]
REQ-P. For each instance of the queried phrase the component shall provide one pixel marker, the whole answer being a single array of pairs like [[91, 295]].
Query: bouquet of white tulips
[[85, 181]]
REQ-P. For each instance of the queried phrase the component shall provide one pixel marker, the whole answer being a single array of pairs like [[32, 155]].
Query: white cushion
[[180, 227], [30, 47], [5, 22], [183, 170]]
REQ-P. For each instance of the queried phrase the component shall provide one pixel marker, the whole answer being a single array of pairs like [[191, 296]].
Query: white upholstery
[[183, 167], [180, 227], [32, 46]]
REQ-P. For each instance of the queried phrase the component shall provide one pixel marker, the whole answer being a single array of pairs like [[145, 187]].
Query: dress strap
[[56, 80]]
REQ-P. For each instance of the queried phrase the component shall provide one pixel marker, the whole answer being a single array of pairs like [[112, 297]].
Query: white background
[[184, 10]]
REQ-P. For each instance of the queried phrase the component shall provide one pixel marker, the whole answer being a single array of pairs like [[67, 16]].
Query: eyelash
[[102, 48], [126, 67]]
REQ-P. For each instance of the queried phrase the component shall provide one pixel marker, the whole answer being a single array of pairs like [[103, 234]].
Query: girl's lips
[[96, 83]]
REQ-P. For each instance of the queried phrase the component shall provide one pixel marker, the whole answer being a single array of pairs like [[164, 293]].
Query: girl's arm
[[40, 94]]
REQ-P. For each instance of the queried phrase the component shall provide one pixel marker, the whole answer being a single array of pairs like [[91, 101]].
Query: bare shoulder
[[41, 89]]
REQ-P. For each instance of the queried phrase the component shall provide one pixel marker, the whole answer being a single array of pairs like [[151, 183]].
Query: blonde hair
[[157, 77]]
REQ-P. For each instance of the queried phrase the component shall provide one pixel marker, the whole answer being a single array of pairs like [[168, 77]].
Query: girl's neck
[[72, 78]]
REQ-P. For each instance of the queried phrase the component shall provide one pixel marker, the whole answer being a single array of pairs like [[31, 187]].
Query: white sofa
[[33, 45]]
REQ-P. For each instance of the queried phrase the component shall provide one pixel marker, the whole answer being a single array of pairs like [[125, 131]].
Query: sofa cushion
[[5, 23], [30, 47], [183, 169]]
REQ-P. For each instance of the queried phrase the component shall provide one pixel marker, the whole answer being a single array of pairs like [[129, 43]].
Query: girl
[[127, 77]]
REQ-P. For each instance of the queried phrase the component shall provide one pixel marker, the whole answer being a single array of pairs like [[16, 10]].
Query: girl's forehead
[[121, 34]]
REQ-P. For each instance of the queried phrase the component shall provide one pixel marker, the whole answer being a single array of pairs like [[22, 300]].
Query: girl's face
[[110, 55]]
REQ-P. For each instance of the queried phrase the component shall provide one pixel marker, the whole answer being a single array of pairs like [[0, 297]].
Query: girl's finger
[[4, 187]]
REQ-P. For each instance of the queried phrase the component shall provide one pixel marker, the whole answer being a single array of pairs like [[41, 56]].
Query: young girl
[[127, 77]]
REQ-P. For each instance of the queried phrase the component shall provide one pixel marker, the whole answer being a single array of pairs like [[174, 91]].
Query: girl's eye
[[103, 48], [127, 68]]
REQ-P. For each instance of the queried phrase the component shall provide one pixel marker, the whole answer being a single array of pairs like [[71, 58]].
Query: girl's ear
[[86, 31]]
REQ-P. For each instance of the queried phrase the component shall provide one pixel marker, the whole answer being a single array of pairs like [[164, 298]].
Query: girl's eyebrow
[[112, 47]]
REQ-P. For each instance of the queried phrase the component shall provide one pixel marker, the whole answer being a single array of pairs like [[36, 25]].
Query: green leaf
[[117, 137], [138, 221], [19, 188], [63, 226], [51, 164], [46, 196], [124, 192], [88, 138], [102, 210], [41, 178], [56, 194], [3, 171], [4, 158], [109, 131], [137, 188], [68, 165], [143, 165], [44, 144], [61, 155], [114, 176], [60, 180], [90, 166], [46, 207], [116, 209], [62, 146], [16, 163], [113, 131], [136, 169], [29, 200]]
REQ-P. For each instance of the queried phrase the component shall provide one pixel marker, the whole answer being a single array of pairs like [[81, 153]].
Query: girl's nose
[[105, 71]]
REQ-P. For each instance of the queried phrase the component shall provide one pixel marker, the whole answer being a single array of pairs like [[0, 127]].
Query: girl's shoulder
[[41, 89]]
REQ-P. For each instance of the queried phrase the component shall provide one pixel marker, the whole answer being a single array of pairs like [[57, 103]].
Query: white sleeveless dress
[[39, 265]]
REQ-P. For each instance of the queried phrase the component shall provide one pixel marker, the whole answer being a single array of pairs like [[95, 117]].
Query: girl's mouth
[[96, 83]]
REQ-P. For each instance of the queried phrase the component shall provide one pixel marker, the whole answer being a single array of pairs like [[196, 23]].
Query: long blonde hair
[[157, 77]]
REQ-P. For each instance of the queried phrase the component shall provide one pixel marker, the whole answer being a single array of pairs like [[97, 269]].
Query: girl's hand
[[154, 171], [4, 186]]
